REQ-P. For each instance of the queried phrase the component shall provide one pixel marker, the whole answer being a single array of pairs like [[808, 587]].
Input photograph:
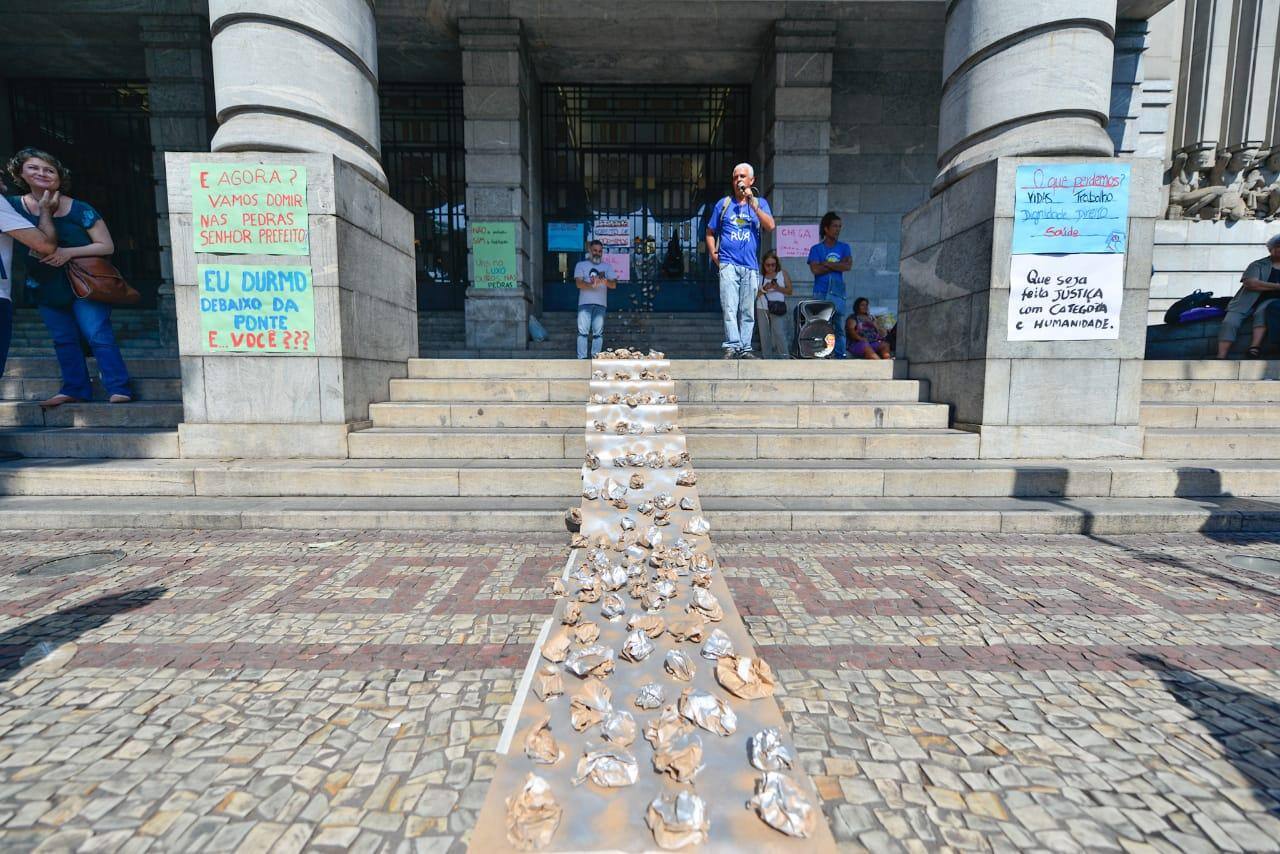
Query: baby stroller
[[814, 337]]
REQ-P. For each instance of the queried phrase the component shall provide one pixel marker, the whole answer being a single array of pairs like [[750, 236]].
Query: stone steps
[[1097, 516], [71, 443], [1210, 391], [1208, 443], [1211, 408], [42, 388], [1213, 416], [140, 413], [568, 444], [23, 367], [681, 369], [862, 415], [705, 391]]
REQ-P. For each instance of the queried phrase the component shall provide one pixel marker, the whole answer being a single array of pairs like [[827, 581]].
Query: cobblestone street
[[269, 690]]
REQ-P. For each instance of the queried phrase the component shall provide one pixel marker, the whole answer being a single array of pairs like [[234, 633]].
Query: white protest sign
[[1065, 297], [612, 231]]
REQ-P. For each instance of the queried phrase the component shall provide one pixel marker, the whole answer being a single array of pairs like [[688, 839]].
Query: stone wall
[[886, 87]]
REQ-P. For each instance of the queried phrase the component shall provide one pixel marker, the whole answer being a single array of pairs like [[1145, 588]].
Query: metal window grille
[[423, 156], [658, 155], [101, 130]]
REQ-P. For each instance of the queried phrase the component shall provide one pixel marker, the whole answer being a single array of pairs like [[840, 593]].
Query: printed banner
[[1071, 207], [256, 308], [1065, 297], [795, 241], [612, 231], [565, 236], [249, 209], [493, 250]]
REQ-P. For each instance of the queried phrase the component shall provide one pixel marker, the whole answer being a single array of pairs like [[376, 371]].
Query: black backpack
[[1196, 299]]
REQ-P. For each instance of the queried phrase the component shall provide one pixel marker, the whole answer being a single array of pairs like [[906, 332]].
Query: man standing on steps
[[829, 260], [592, 277], [733, 242]]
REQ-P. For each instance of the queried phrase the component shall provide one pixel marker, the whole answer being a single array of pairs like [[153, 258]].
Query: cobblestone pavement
[[259, 690]]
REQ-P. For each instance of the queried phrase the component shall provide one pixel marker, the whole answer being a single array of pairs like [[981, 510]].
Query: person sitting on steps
[[1260, 286], [863, 334]]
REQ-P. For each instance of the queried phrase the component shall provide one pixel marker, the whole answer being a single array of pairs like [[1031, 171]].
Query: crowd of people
[[753, 289], [43, 231]]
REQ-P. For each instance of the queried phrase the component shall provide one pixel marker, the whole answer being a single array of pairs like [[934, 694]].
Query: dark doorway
[[101, 130], [423, 155], [656, 157]]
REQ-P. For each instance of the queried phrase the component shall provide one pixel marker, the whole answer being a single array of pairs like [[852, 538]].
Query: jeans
[[837, 320], [775, 337], [93, 320], [590, 322], [6, 331], [738, 286]]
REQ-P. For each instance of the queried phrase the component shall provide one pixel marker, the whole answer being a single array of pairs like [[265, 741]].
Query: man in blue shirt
[[733, 241], [829, 260]]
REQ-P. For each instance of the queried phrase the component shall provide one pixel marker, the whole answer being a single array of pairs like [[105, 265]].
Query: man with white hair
[[733, 241], [1260, 286]]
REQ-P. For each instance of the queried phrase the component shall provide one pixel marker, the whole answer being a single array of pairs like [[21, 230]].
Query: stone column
[[794, 98], [1024, 77], [1251, 95], [1198, 124], [499, 102], [179, 92], [298, 77], [296, 88]]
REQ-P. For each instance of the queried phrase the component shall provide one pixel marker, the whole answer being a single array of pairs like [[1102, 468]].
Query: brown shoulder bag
[[96, 278]]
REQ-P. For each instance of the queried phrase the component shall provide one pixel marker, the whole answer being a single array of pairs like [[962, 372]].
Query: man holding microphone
[[733, 241]]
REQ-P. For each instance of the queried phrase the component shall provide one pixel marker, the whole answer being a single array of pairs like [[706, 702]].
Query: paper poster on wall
[[620, 262], [795, 241], [1071, 207], [1065, 297], [256, 308], [493, 252], [612, 231], [565, 236], [249, 209]]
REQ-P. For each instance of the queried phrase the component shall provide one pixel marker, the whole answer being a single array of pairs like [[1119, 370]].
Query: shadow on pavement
[[1245, 725], [67, 624]]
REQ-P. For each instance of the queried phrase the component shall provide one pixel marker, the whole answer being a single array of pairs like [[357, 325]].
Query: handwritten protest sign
[[258, 209], [795, 241], [565, 236], [1071, 207], [612, 231], [493, 251], [256, 308], [1065, 297], [620, 262]]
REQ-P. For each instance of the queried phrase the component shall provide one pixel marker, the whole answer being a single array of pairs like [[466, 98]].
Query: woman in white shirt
[[771, 308]]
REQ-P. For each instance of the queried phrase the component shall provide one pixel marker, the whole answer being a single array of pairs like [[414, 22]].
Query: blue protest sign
[[1071, 208], [565, 236]]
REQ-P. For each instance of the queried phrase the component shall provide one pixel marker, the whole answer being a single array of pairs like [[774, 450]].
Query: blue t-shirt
[[829, 283], [738, 228]]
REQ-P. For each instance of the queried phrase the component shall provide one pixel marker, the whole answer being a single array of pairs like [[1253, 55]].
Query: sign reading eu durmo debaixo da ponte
[[1066, 271], [253, 209]]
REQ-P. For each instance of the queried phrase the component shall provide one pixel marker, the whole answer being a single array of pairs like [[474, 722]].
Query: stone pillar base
[[271, 441], [497, 319], [301, 403], [1071, 399]]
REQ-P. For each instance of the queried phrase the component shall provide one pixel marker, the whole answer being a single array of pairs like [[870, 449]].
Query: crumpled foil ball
[[614, 577], [679, 665], [678, 820], [590, 707], [608, 767], [586, 632], [650, 696], [745, 677], [595, 660], [619, 727], [781, 805], [767, 752], [637, 646], [687, 627], [532, 815], [708, 711], [717, 645], [547, 682], [697, 526], [540, 745], [612, 607]]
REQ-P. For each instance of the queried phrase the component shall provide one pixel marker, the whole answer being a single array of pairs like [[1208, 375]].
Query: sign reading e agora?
[[1071, 207], [256, 308], [249, 209], [493, 250]]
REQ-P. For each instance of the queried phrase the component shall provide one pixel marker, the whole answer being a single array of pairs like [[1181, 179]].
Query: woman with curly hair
[[81, 233]]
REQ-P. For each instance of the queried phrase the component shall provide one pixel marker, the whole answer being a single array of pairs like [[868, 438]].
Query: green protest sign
[[258, 209], [256, 308], [493, 250]]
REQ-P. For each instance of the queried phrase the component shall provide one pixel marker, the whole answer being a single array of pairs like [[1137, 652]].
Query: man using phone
[[733, 242], [594, 279]]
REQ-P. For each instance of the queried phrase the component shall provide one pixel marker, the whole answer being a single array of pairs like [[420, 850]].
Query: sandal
[[57, 400], [1254, 352], [120, 398]]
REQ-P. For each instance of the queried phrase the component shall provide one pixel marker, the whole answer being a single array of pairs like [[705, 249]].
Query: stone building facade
[[853, 106]]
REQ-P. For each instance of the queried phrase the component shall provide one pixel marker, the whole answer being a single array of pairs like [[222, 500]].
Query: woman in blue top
[[81, 233]]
